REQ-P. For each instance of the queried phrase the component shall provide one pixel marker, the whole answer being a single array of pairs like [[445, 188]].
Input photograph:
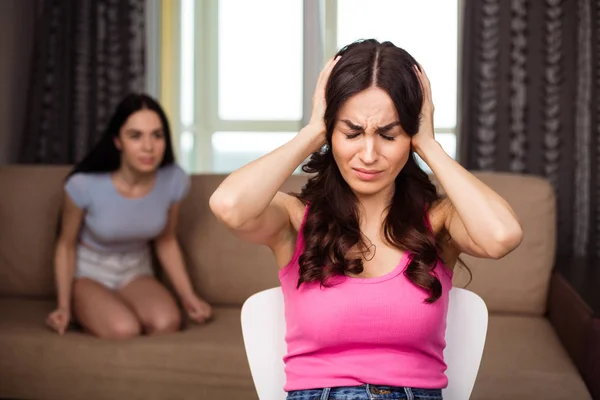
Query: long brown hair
[[332, 226]]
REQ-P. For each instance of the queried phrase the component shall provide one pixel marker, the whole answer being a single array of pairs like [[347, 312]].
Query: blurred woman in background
[[124, 194]]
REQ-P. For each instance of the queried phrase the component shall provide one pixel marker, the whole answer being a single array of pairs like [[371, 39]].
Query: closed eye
[[381, 130], [384, 131], [352, 135]]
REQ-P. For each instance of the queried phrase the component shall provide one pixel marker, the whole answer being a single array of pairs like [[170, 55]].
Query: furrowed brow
[[352, 125], [386, 128]]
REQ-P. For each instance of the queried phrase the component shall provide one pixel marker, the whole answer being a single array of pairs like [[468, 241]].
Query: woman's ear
[[118, 144]]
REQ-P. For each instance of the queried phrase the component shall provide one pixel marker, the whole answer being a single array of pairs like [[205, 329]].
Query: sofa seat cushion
[[524, 359], [201, 362]]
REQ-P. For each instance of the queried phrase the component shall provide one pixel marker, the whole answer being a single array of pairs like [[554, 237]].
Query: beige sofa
[[523, 359]]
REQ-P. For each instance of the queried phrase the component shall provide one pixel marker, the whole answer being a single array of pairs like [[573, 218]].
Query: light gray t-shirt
[[114, 223]]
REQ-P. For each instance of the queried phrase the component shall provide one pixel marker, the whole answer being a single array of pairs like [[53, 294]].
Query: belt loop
[[409, 393], [369, 392], [325, 394]]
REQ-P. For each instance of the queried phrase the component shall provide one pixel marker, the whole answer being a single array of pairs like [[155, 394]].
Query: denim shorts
[[366, 392]]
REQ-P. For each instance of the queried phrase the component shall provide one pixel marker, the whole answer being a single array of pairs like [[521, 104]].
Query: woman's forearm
[[64, 271], [246, 193], [171, 259], [487, 217]]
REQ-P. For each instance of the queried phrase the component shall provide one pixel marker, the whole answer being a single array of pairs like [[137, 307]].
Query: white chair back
[[263, 328]]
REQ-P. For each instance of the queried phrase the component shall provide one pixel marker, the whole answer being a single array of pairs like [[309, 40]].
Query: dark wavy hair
[[332, 226], [104, 156]]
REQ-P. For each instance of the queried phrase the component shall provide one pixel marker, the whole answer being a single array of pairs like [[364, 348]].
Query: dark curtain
[[88, 54], [530, 85]]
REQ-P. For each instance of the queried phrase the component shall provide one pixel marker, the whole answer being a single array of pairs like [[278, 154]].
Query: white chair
[[263, 328], [466, 329]]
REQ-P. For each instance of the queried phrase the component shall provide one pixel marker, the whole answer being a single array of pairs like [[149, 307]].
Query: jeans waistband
[[366, 392]]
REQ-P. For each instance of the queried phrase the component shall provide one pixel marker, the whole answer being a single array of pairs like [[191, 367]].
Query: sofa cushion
[[30, 204], [523, 359], [201, 362], [224, 269], [519, 282], [227, 270]]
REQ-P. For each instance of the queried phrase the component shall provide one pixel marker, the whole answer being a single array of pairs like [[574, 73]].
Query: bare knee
[[163, 322], [122, 328]]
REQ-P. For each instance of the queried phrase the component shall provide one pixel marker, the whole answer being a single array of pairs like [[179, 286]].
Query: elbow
[[505, 241], [165, 242], [167, 248], [224, 207]]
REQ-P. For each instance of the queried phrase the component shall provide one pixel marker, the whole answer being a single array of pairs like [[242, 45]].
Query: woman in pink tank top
[[367, 249]]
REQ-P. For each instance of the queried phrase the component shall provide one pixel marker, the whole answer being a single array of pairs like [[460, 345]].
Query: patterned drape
[[88, 55], [530, 103]]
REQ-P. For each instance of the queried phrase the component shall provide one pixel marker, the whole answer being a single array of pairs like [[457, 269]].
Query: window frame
[[206, 120]]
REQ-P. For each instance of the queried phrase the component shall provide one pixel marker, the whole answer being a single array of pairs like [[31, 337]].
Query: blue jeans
[[366, 392]]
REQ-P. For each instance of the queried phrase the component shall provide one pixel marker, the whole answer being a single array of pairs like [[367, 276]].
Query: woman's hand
[[317, 121], [59, 320], [197, 309], [425, 135]]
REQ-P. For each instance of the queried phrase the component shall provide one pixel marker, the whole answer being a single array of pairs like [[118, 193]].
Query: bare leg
[[153, 305], [102, 312]]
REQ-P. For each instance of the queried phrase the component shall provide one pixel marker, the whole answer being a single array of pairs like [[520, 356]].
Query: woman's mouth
[[366, 174]]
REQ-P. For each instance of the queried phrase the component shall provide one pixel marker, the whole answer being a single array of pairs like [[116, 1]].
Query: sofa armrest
[[591, 368], [574, 312], [570, 316]]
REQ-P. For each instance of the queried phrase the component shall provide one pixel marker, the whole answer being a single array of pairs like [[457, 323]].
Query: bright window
[[260, 60], [405, 23], [241, 84], [233, 148]]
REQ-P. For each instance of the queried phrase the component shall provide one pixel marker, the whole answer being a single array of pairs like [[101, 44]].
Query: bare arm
[[480, 222], [171, 259], [249, 202], [170, 256], [65, 254]]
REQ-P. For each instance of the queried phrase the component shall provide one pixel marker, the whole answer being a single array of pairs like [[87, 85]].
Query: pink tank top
[[363, 330]]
